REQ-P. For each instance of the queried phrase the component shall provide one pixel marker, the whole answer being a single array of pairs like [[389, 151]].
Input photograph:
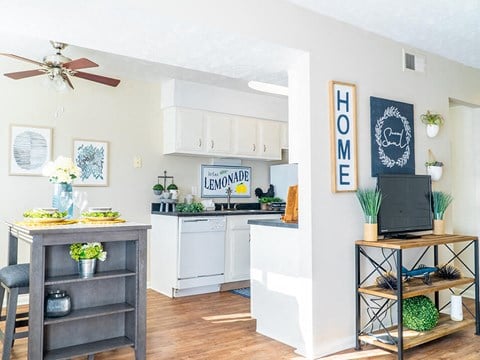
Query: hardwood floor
[[218, 327], [211, 326]]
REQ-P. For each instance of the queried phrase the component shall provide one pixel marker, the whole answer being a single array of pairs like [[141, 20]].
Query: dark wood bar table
[[108, 309]]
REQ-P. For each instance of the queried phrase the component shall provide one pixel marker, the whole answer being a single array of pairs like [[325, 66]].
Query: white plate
[[44, 220], [99, 209], [101, 218]]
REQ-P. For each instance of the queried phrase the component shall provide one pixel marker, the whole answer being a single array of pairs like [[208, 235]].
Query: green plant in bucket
[[370, 201], [441, 201]]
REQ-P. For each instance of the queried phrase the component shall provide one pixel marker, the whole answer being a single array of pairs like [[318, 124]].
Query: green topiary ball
[[419, 313]]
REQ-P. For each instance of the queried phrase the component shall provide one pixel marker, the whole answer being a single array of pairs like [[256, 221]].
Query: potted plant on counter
[[370, 200], [158, 189], [441, 201], [266, 202], [433, 122], [87, 254]]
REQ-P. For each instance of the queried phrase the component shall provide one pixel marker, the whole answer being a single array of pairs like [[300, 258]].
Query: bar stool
[[14, 280]]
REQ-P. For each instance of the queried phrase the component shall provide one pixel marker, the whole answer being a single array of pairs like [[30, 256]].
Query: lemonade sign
[[216, 179]]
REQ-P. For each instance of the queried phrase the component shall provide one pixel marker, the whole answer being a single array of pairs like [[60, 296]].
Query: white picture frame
[[91, 156], [29, 150]]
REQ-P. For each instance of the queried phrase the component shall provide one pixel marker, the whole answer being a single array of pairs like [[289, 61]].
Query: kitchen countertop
[[217, 213], [273, 223]]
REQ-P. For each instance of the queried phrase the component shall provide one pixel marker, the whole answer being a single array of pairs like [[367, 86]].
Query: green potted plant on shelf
[[173, 189], [434, 169], [87, 254], [441, 201], [158, 189], [433, 122], [370, 201]]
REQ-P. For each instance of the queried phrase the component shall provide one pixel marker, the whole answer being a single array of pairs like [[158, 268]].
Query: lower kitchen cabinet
[[237, 246], [196, 254]]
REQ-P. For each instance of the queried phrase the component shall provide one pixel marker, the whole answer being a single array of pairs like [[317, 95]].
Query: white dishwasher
[[201, 251]]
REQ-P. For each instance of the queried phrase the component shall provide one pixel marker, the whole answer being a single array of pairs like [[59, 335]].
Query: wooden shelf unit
[[406, 338], [108, 309]]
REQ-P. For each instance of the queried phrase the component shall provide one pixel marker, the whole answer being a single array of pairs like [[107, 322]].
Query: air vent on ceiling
[[413, 62]]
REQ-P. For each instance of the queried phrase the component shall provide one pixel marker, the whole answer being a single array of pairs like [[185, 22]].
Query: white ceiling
[[158, 47], [450, 28]]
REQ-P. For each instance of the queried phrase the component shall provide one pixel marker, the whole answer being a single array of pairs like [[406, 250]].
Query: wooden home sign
[[343, 136]]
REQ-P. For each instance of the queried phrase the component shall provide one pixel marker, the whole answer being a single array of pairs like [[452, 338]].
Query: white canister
[[189, 198], [456, 311]]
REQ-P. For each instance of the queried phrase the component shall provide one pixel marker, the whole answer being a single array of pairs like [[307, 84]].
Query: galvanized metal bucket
[[86, 267]]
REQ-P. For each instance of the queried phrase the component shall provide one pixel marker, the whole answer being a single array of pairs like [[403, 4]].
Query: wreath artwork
[[392, 137]]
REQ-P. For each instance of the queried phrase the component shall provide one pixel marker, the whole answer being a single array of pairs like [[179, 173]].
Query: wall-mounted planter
[[433, 122], [432, 130], [435, 172]]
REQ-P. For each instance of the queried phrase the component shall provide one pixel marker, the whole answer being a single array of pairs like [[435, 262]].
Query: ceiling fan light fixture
[[269, 88]]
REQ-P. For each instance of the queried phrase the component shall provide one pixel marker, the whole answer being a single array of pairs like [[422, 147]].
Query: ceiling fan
[[58, 68]]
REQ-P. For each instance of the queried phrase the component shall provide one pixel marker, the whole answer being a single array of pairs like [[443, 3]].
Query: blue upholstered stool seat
[[15, 275], [14, 281]]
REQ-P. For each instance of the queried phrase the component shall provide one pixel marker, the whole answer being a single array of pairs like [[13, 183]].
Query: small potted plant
[[370, 200], [173, 189], [266, 202], [434, 169], [441, 201], [87, 255], [433, 122], [158, 189]]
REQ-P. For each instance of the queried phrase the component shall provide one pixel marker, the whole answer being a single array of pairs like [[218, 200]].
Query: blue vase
[[63, 198]]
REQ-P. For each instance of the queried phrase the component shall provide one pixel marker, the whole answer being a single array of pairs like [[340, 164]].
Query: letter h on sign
[[343, 136]]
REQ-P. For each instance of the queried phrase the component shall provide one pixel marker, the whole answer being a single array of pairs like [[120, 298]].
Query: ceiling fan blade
[[24, 74], [97, 78], [82, 63], [22, 58], [67, 80]]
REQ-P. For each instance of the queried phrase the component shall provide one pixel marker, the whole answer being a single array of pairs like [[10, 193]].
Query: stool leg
[[10, 323], [2, 294]]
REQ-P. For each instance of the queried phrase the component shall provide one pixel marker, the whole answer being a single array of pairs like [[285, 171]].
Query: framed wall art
[[91, 156], [216, 179], [343, 136], [392, 137], [30, 149]]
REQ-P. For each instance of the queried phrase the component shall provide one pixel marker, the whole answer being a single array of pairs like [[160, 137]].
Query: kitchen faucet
[[229, 196]]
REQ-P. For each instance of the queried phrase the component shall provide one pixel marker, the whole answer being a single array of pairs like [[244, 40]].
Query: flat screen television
[[406, 205]]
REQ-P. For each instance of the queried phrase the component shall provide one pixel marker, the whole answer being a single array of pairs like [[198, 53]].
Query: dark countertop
[[273, 223], [218, 213]]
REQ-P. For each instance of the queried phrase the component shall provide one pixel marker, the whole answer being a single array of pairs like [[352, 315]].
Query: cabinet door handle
[[212, 144], [264, 148], [254, 147], [199, 142]]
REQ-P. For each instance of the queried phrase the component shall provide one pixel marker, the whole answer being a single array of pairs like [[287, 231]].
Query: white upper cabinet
[[183, 131], [268, 134], [218, 133], [199, 132], [245, 136]]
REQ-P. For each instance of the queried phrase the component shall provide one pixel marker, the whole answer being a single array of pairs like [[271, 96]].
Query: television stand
[[403, 236]]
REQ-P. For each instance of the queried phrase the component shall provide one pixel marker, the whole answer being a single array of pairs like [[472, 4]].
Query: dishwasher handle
[[195, 220]]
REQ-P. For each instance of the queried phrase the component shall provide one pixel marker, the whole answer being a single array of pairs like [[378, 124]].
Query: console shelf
[[413, 338], [374, 303]]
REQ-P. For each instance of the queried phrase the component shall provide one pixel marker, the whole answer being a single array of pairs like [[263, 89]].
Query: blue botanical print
[[91, 160]]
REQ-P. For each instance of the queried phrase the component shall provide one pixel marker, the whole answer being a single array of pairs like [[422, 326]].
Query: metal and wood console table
[[374, 304], [108, 310]]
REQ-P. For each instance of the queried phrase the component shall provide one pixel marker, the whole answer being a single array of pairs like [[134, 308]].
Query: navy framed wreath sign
[[392, 138]]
